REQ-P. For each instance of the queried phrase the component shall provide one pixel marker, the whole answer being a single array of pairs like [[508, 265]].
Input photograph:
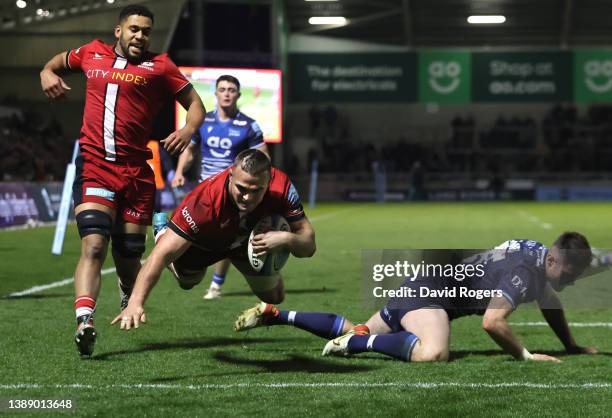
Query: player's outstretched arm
[[184, 163], [552, 310], [300, 241], [495, 323], [52, 84], [177, 141], [168, 248]]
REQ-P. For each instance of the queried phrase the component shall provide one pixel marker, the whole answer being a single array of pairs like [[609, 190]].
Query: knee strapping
[[93, 221]]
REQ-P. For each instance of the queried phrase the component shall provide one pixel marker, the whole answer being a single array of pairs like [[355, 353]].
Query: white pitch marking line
[[416, 385], [571, 324], [535, 220], [59, 283]]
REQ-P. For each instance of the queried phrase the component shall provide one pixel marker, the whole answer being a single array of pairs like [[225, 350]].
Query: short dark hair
[[253, 162], [575, 249], [135, 9], [228, 78]]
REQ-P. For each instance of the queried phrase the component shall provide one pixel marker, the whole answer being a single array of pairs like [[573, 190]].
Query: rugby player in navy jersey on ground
[[418, 328], [226, 131]]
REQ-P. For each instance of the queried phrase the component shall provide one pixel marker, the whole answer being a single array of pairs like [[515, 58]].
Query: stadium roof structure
[[443, 23], [22, 15], [409, 23], [45, 26]]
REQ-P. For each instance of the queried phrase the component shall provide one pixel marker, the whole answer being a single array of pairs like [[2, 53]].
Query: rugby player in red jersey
[[114, 188], [214, 222]]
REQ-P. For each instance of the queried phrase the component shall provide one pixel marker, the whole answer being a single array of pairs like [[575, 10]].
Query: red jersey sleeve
[[294, 211], [192, 216], [285, 197], [74, 57], [175, 80]]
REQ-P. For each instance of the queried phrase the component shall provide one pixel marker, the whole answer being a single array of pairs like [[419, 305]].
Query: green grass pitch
[[187, 360]]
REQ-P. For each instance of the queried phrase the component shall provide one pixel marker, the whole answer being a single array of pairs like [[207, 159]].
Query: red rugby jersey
[[122, 99], [209, 218]]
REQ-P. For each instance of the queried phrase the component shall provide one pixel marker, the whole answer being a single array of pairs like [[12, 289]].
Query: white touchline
[[315, 385], [59, 283], [571, 324]]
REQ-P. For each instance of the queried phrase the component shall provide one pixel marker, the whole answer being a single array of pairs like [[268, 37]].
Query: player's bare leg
[[269, 289], [424, 338], [275, 295], [127, 249], [432, 327], [376, 325], [221, 269], [87, 277], [94, 222], [339, 345], [127, 271]]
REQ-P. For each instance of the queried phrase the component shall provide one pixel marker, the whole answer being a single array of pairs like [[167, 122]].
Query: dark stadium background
[[522, 153], [475, 145]]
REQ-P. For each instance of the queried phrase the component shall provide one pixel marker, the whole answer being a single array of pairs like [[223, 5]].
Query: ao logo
[[445, 72], [223, 143], [599, 70]]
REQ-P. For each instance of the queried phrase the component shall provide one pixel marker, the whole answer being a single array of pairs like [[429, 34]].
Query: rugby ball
[[273, 261]]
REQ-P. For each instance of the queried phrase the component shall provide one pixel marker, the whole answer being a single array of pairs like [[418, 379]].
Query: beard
[[132, 58]]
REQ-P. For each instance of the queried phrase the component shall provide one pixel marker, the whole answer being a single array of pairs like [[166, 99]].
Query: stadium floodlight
[[327, 20], [110, 1], [486, 19], [43, 12], [21, 4]]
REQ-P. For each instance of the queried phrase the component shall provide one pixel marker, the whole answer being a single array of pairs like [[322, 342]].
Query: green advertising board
[[593, 75], [445, 76], [544, 76], [371, 77], [449, 76]]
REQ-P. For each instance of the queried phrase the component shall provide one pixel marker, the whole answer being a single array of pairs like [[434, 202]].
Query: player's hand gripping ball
[[271, 262]]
